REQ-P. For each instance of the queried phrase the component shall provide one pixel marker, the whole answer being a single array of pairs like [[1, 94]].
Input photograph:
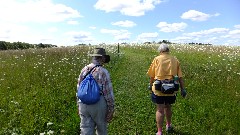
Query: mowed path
[[135, 112]]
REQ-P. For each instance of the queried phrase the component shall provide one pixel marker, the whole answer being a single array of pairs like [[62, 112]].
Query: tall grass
[[37, 90]]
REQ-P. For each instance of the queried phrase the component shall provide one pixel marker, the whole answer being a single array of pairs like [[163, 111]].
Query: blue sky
[[70, 22]]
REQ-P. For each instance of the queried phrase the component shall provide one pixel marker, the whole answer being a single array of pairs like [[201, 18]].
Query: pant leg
[[87, 124], [98, 112]]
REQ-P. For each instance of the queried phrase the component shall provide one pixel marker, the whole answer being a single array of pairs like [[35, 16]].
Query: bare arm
[[181, 83], [183, 91], [151, 80], [150, 84]]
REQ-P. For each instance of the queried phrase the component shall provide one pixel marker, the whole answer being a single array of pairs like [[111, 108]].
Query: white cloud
[[147, 36], [212, 36], [13, 32], [237, 26], [53, 29], [92, 27], [197, 15], [182, 38], [118, 34], [122, 37], [211, 40], [108, 31], [35, 11], [174, 27], [72, 22], [233, 42], [81, 36], [126, 23], [207, 32], [216, 14], [234, 32], [127, 7]]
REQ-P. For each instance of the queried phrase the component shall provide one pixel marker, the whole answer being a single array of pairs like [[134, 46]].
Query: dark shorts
[[163, 99]]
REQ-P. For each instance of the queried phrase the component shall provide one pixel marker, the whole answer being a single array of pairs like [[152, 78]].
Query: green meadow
[[38, 88]]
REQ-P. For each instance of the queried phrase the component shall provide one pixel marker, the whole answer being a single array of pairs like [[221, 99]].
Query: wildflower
[[15, 102], [49, 123], [50, 132], [62, 131], [1, 110]]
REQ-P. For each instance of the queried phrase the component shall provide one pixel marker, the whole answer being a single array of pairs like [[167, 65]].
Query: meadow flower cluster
[[36, 82], [38, 89]]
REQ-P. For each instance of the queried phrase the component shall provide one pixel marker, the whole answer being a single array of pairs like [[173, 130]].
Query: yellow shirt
[[164, 67]]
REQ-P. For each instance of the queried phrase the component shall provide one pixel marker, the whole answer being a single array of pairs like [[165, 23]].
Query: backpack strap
[[90, 71]]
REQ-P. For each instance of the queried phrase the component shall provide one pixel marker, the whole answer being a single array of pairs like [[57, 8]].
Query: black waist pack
[[166, 86]]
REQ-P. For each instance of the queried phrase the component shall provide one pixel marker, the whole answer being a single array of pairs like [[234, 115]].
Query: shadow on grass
[[177, 132]]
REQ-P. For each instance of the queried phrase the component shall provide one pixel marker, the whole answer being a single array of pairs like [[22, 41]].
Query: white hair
[[163, 48]]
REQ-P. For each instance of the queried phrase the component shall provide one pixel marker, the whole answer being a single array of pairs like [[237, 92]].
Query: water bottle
[[175, 78], [176, 82]]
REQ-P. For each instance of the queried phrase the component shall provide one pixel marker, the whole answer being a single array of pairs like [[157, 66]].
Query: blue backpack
[[89, 91]]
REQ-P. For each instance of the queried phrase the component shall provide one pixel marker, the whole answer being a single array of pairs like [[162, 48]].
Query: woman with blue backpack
[[95, 95]]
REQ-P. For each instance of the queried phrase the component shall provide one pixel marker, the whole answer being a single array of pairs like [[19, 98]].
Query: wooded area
[[22, 45]]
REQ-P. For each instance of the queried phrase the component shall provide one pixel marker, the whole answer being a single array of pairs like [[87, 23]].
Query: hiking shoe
[[169, 129]]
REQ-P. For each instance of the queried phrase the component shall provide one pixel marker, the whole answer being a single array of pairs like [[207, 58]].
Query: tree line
[[168, 42], [22, 45]]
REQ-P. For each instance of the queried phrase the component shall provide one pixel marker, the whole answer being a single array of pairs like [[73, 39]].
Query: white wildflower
[[49, 123], [50, 132], [1, 110]]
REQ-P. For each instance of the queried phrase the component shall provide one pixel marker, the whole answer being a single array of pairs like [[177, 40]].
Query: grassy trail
[[38, 87], [200, 113], [134, 111]]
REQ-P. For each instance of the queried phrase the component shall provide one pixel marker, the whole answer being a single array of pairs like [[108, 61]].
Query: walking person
[[164, 67], [97, 116]]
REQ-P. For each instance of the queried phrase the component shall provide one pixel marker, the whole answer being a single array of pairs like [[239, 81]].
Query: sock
[[168, 124], [159, 131]]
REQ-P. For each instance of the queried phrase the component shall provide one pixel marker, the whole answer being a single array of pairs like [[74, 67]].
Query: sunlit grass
[[37, 90]]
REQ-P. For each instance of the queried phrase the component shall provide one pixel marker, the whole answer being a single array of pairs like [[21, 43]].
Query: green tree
[[3, 45]]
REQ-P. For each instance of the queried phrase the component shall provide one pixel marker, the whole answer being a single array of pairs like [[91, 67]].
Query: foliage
[[38, 89], [21, 45]]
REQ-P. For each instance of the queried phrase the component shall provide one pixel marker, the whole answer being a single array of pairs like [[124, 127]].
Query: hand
[[183, 93], [78, 109], [109, 117], [150, 87]]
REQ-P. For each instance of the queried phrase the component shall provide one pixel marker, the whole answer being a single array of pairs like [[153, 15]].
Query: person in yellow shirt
[[164, 67]]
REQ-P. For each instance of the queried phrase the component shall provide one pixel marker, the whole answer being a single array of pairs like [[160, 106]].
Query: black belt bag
[[166, 86]]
